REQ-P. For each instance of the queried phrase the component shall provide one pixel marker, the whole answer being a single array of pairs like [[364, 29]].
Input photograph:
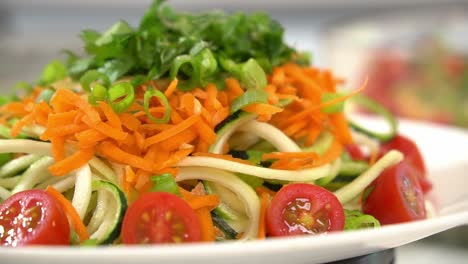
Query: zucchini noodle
[[225, 133], [304, 175], [36, 173], [351, 190], [82, 193], [99, 212], [233, 183], [17, 165], [4, 193], [271, 134]]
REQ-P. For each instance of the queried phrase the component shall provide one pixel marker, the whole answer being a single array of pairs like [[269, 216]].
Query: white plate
[[445, 151]]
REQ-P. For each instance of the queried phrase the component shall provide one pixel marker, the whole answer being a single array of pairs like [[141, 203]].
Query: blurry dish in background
[[417, 63]]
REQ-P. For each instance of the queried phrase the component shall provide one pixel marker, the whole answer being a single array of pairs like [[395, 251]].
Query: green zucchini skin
[[219, 222], [121, 199]]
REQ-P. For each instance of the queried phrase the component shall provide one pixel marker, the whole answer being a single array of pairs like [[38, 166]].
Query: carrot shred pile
[[146, 148]]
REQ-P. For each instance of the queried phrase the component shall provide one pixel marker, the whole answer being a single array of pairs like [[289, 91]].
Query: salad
[[195, 127]]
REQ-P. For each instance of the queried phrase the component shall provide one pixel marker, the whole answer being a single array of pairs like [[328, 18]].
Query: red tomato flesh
[[160, 217], [300, 209], [33, 218], [413, 157], [395, 196]]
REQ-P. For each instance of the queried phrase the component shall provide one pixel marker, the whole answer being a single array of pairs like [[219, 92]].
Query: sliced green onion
[[376, 108], [249, 97], [45, 96], [335, 108], [163, 100], [99, 93], [177, 64], [165, 183], [54, 71], [253, 76], [250, 73], [355, 220], [93, 76], [121, 96]]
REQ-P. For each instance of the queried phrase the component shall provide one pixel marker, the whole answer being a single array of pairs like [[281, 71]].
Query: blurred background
[[414, 52]]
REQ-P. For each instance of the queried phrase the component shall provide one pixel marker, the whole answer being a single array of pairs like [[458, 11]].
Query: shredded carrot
[[341, 128], [130, 174], [264, 203], [62, 131], [16, 129], [166, 134], [106, 129], [205, 132], [175, 158], [333, 152], [111, 151], [234, 87], [343, 98], [171, 88], [71, 212], [62, 118], [263, 189], [206, 224], [89, 138], [129, 121], [111, 116], [58, 148], [203, 201], [262, 109], [140, 139], [73, 162]]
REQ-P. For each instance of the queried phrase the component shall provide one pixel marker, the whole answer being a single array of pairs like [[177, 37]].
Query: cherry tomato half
[[33, 218], [300, 208], [413, 157], [159, 217], [395, 196]]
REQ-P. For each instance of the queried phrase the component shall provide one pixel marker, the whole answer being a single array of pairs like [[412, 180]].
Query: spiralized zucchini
[[271, 134], [351, 190], [304, 175], [245, 193]]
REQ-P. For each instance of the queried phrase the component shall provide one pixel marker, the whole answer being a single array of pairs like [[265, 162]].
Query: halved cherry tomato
[[413, 157], [355, 152], [395, 196], [160, 217], [33, 218], [300, 209]]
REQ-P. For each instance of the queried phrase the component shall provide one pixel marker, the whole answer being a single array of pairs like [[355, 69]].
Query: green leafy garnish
[[355, 220], [192, 47]]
